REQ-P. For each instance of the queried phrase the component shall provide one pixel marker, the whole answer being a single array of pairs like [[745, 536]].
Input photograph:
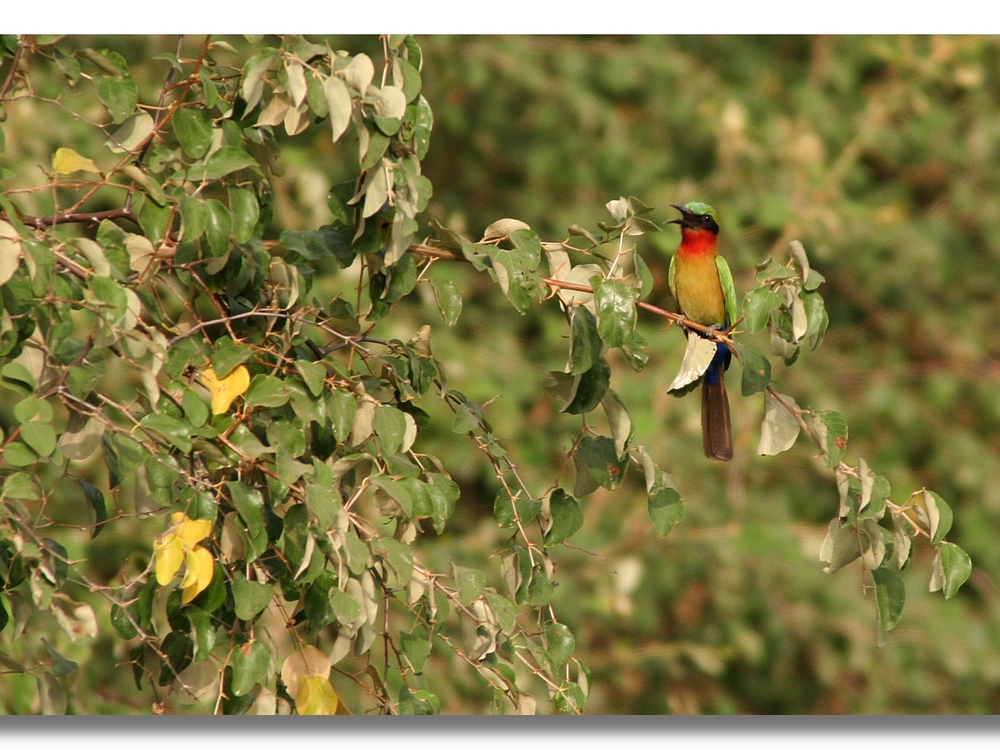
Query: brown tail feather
[[717, 432]]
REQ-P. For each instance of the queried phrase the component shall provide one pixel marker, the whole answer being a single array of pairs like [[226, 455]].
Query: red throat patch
[[697, 242]]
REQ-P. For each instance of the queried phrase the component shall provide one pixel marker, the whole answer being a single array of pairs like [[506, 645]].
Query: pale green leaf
[[781, 427]]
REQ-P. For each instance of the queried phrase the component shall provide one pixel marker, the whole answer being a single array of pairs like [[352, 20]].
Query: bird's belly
[[699, 292]]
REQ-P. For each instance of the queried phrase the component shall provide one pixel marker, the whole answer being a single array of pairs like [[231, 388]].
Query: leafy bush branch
[[176, 372]]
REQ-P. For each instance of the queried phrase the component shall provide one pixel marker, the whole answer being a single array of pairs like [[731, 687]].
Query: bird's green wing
[[728, 288], [670, 275]]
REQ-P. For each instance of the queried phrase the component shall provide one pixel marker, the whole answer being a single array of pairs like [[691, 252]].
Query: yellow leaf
[[316, 697], [191, 531], [66, 161], [198, 575], [180, 545], [308, 661], [169, 555], [225, 391]]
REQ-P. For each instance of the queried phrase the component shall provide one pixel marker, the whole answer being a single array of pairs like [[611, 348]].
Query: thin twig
[[14, 62]]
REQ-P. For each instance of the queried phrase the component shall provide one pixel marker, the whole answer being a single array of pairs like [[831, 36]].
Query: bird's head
[[695, 215]]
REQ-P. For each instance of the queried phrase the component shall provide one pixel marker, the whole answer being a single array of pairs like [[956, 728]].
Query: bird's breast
[[698, 289]]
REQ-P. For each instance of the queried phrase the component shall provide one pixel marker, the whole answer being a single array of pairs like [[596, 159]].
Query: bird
[[702, 284]]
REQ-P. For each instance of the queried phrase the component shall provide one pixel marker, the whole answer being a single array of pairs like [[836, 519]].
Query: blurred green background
[[882, 155]]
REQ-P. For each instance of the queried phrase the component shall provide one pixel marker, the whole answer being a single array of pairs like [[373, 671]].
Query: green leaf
[[204, 628], [40, 437], [601, 459], [179, 650], [508, 511], [619, 420], [665, 509], [464, 421], [218, 227], [342, 406], [756, 369], [400, 559], [407, 77], [286, 436], [254, 70], [346, 608], [108, 61], [250, 664], [115, 473], [169, 429], [313, 374], [585, 341], [194, 216], [832, 430], [539, 590], [842, 545], [161, 476], [296, 535], [250, 598], [567, 518], [560, 644], [245, 211], [757, 308], [377, 190], [119, 96], [60, 665], [589, 389], [193, 130], [228, 355], [423, 125], [122, 625], [249, 503], [471, 583], [939, 515], [321, 243], [224, 161], [952, 568], [317, 605], [100, 510], [529, 247], [195, 409], [399, 495], [19, 455], [111, 295], [390, 428], [416, 648], [616, 314], [17, 377], [444, 493], [504, 609], [267, 391], [449, 300], [21, 485], [418, 702], [890, 594]]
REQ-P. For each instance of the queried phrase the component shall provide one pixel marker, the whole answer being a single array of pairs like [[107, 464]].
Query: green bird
[[702, 284]]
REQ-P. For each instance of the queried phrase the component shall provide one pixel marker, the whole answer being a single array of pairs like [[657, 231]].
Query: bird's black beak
[[685, 220]]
